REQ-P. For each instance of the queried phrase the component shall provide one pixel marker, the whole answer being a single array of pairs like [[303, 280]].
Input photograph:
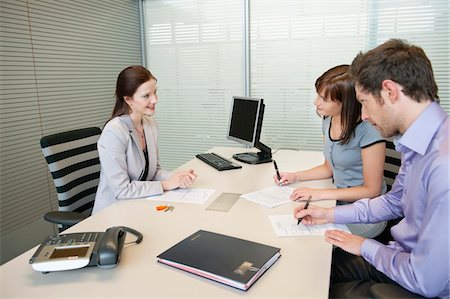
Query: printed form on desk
[[286, 226], [270, 197], [188, 195]]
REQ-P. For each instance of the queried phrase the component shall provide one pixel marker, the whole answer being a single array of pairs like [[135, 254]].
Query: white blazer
[[122, 162]]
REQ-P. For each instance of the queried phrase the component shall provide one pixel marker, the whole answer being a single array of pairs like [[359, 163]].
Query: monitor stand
[[252, 158], [264, 156]]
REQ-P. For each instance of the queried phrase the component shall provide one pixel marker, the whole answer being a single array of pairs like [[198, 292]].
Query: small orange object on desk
[[164, 208]]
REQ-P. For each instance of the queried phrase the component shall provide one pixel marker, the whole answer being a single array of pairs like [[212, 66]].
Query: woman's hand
[[180, 180], [286, 178], [306, 193]]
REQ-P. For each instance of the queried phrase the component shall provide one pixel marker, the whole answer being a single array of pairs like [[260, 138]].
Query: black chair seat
[[390, 291], [64, 218]]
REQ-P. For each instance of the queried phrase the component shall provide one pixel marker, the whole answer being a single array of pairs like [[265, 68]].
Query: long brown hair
[[128, 82], [337, 84]]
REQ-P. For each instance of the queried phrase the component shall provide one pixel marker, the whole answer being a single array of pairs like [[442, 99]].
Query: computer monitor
[[245, 125]]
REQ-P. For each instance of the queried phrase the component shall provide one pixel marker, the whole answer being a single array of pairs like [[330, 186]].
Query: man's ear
[[390, 90]]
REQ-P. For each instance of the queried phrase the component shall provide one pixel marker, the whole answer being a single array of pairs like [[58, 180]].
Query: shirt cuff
[[369, 249], [344, 214]]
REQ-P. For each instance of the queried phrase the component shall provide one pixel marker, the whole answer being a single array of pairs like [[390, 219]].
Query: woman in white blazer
[[128, 147]]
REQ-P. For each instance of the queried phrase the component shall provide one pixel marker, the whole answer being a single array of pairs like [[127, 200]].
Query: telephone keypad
[[72, 238]]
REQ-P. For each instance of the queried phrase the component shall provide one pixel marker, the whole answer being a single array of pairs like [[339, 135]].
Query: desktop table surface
[[302, 271]]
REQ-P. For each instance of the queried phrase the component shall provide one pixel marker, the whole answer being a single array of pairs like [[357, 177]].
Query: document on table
[[286, 226], [270, 197], [188, 195]]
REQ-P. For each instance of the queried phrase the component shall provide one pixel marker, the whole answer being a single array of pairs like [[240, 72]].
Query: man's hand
[[348, 242], [314, 215]]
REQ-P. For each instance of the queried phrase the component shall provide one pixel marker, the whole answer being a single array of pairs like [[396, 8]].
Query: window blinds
[[59, 62], [424, 23], [290, 48], [195, 50]]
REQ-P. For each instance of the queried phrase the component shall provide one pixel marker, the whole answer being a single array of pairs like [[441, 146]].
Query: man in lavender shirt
[[396, 87]]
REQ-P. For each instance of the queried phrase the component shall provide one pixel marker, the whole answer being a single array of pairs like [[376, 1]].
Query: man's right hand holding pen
[[314, 215]]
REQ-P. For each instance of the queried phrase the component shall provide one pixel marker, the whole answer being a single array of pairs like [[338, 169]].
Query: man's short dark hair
[[400, 62]]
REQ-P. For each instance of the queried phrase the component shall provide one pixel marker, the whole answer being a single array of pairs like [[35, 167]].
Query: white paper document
[[286, 226], [188, 195], [270, 197]]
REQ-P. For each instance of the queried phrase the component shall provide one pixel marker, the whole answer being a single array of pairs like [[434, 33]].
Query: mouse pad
[[224, 202]]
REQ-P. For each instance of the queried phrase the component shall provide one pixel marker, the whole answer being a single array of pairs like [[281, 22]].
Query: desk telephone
[[78, 250]]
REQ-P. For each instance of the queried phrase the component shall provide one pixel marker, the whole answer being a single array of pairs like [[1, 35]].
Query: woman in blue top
[[354, 150]]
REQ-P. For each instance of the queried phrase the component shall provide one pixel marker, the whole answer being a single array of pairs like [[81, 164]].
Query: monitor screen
[[244, 119], [245, 125]]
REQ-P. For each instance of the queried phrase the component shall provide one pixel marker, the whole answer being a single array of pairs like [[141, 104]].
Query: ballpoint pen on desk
[[278, 173], [306, 206]]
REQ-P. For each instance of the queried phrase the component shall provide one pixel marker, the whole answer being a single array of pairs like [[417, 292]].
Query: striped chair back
[[391, 163], [72, 158]]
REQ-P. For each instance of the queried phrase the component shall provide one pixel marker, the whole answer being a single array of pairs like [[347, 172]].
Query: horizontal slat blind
[[79, 48], [194, 48], [25, 193], [294, 44], [290, 47], [59, 62], [291, 43], [424, 23]]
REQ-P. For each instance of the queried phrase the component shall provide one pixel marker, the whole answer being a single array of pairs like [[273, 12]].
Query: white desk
[[302, 271]]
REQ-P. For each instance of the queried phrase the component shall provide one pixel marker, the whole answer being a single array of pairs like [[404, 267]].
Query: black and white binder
[[228, 260]]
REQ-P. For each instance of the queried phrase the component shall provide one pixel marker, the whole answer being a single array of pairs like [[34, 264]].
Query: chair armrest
[[64, 218]]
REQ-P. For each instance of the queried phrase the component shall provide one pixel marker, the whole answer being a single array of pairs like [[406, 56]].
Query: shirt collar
[[419, 135]]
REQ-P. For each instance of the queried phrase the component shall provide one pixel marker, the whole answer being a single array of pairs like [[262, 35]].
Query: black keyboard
[[218, 162]]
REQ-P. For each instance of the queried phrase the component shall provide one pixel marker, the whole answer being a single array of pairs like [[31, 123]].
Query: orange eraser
[[160, 208]]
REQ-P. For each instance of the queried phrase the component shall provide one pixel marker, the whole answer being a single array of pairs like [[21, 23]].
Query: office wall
[[59, 61]]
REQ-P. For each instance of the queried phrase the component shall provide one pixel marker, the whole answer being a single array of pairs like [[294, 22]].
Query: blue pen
[[278, 173]]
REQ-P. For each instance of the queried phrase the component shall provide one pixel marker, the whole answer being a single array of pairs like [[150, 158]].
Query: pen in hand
[[306, 206], [278, 173]]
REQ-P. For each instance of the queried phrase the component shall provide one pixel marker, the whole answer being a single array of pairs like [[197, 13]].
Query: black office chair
[[72, 158], [391, 163], [391, 291], [391, 166]]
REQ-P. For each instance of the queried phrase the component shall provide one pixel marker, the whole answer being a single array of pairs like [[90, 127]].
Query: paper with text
[[188, 195], [270, 197], [286, 226]]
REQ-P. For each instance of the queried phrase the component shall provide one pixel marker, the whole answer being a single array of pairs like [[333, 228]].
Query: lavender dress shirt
[[418, 259]]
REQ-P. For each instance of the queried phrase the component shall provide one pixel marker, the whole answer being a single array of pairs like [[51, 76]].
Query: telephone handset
[[78, 250]]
